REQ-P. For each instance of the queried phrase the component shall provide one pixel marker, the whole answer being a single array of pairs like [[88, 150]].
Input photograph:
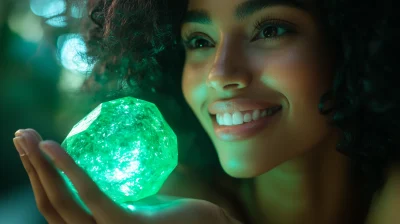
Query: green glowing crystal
[[126, 147]]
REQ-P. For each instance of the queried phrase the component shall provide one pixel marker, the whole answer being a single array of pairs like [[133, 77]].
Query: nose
[[229, 71]]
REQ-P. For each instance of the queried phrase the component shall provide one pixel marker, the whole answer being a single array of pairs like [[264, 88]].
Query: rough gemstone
[[126, 147]]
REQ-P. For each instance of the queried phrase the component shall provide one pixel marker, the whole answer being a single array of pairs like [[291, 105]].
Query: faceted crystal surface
[[126, 147]]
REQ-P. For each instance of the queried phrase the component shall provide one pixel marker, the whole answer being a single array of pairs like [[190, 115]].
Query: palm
[[165, 209], [57, 205]]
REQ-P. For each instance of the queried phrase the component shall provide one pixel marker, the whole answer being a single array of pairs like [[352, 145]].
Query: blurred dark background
[[40, 69]]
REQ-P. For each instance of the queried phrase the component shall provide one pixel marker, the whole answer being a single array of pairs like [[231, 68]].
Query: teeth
[[256, 115], [238, 118], [247, 117], [227, 119], [264, 113]]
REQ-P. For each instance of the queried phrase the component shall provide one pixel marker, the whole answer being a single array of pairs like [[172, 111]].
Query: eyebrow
[[243, 10]]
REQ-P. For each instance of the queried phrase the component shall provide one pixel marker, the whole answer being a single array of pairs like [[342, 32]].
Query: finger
[[53, 184], [42, 202], [35, 133], [104, 210]]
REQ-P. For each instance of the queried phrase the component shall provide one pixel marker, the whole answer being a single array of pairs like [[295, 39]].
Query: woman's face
[[287, 62]]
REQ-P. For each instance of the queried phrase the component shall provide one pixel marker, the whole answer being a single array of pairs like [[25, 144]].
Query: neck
[[313, 188]]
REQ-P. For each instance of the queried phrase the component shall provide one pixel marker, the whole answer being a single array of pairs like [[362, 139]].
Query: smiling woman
[[298, 100]]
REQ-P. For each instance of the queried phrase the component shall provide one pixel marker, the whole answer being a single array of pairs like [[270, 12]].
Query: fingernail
[[20, 145], [19, 133]]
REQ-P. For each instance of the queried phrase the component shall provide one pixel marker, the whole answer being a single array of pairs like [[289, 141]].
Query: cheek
[[193, 85], [302, 76], [185, 85]]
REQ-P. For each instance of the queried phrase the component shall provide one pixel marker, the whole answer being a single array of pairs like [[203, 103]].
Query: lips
[[246, 130], [239, 104]]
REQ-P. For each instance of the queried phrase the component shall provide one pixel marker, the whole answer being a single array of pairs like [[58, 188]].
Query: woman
[[259, 76]]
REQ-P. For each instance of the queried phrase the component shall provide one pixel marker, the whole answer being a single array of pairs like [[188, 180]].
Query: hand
[[58, 206]]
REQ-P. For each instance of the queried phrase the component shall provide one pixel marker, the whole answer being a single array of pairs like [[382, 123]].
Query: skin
[[299, 180], [293, 164]]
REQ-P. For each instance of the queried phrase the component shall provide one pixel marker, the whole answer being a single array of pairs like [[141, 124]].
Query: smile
[[245, 130]]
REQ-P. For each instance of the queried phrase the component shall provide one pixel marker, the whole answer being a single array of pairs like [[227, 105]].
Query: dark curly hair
[[136, 46]]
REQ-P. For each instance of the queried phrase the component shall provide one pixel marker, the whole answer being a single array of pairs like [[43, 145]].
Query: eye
[[271, 30], [193, 41], [267, 29]]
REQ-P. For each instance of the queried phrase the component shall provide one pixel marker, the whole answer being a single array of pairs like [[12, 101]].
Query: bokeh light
[[58, 21], [25, 24], [70, 81], [47, 8], [76, 12], [72, 53]]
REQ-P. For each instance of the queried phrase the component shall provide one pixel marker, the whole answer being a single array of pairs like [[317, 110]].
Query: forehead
[[205, 3], [200, 10]]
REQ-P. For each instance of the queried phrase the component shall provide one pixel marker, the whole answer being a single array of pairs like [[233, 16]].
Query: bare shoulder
[[386, 208], [184, 183]]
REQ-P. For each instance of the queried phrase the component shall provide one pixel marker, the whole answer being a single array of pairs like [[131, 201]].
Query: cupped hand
[[58, 206]]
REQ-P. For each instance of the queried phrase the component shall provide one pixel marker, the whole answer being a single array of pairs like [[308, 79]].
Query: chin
[[241, 169]]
